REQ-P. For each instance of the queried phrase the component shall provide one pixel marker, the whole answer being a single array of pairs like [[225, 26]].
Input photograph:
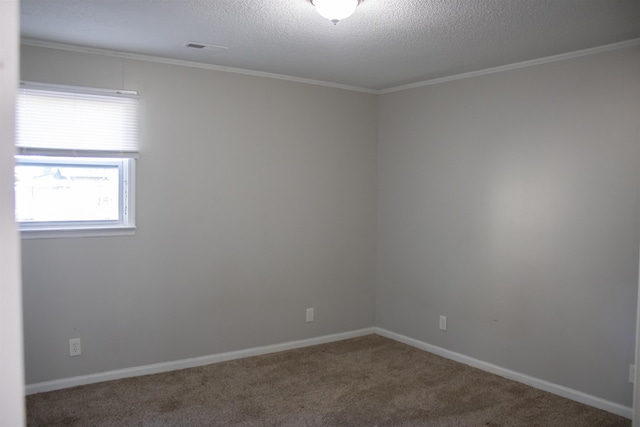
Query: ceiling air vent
[[198, 45]]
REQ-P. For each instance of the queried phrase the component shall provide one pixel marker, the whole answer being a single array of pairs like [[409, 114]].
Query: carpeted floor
[[367, 381]]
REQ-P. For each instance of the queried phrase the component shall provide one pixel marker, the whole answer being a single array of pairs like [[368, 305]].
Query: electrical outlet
[[443, 323], [632, 374], [309, 315], [74, 347]]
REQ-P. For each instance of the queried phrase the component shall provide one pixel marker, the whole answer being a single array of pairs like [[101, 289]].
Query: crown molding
[[515, 66], [191, 64]]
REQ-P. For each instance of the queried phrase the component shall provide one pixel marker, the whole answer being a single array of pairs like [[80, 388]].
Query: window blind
[[68, 121]]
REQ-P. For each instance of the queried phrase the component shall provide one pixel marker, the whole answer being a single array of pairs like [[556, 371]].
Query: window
[[75, 167]]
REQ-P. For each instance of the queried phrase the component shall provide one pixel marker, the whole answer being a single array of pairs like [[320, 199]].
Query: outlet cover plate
[[443, 323], [74, 347]]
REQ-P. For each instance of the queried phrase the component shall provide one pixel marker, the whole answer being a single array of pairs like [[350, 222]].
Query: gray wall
[[256, 198], [509, 203]]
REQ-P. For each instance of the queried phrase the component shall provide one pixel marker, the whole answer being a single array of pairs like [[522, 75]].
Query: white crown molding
[[170, 61], [545, 60], [191, 64], [175, 365], [569, 393]]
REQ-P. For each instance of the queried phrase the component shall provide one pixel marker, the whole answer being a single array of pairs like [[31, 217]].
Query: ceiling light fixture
[[335, 10]]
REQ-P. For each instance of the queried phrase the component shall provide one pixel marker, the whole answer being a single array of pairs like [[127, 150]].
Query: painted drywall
[[256, 198], [510, 204], [11, 360]]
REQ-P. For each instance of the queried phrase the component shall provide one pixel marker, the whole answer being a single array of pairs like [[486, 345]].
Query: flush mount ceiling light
[[335, 10]]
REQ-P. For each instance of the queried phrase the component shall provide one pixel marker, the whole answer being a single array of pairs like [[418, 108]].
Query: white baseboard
[[189, 363], [563, 391], [175, 365]]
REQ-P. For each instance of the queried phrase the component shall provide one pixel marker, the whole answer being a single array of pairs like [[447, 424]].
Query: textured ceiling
[[386, 43]]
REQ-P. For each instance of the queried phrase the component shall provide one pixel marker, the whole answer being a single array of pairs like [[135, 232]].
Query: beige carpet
[[368, 381]]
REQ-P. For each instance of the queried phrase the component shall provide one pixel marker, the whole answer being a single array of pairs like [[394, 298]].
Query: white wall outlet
[[443, 323], [74, 347], [632, 374], [309, 315]]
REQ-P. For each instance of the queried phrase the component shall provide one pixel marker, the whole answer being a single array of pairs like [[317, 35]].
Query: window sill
[[61, 233]]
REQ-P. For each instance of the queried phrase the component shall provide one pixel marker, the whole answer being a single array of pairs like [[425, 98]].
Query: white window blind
[[70, 121]]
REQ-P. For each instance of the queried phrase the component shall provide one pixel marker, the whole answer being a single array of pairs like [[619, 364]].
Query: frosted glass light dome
[[335, 10]]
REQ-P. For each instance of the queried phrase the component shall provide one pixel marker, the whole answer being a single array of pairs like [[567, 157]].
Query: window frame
[[124, 161], [124, 225]]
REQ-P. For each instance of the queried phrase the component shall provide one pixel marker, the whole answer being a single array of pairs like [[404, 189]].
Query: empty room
[[327, 212]]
